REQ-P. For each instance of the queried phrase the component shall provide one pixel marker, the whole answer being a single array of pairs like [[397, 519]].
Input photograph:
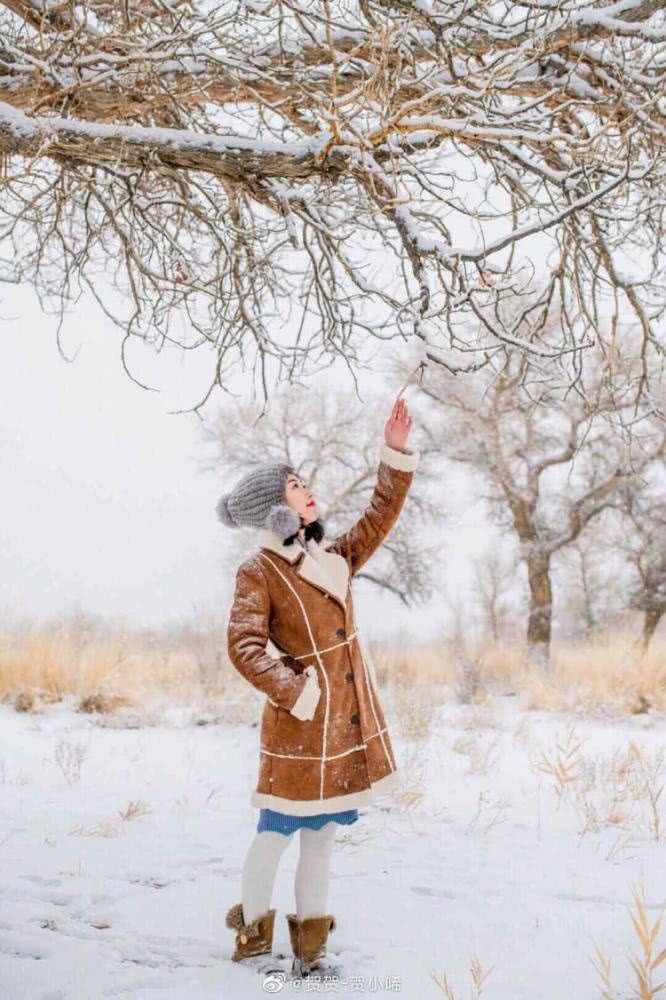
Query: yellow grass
[[103, 670], [621, 789], [103, 673], [477, 979], [647, 965], [608, 675]]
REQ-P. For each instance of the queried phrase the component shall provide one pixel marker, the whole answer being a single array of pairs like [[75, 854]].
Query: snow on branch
[[288, 181], [229, 156]]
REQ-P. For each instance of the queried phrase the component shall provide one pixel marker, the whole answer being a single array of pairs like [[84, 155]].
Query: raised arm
[[395, 473], [247, 636]]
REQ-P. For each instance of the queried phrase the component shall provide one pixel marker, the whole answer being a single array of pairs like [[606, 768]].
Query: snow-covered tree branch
[[285, 182]]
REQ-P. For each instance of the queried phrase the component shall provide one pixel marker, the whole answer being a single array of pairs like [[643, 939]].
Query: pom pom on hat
[[223, 512]]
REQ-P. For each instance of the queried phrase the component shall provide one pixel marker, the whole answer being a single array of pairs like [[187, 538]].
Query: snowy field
[[121, 851]]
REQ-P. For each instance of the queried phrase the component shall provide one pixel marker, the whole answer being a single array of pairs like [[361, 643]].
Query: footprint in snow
[[134, 987], [41, 880], [17, 949], [426, 890], [172, 953]]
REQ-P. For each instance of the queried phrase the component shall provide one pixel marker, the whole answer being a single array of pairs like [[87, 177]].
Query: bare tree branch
[[282, 186]]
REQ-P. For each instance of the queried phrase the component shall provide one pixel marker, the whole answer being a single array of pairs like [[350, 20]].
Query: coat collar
[[326, 570]]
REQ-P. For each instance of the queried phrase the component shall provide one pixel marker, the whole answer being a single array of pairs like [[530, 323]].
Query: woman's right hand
[[296, 665]]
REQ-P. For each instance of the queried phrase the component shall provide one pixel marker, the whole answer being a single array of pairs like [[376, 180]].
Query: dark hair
[[313, 530]]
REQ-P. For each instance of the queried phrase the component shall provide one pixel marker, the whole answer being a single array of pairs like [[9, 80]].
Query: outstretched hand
[[398, 426]]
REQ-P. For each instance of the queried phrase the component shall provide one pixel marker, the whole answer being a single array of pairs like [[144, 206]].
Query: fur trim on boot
[[255, 938]]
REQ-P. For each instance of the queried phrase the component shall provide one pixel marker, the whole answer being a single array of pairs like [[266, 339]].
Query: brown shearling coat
[[324, 742]]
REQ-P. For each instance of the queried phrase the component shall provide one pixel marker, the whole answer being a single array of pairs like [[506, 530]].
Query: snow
[[487, 863], [20, 124], [605, 18]]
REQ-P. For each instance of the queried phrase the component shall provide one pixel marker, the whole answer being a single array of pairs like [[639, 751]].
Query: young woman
[[324, 744]]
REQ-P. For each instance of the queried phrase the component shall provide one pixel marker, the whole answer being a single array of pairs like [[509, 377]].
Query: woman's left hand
[[398, 426]]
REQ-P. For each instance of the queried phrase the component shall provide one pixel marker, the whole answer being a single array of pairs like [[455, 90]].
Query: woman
[[324, 745]]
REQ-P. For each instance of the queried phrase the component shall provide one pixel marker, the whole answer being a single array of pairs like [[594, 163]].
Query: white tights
[[312, 872]]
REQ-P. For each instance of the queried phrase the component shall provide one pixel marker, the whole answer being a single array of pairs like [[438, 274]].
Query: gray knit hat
[[258, 500]]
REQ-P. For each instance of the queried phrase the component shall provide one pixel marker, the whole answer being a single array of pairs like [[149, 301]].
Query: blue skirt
[[279, 822]]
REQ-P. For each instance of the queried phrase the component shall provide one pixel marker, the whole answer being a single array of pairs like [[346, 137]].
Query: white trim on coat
[[333, 756], [308, 670], [373, 693], [315, 652], [404, 461], [365, 652], [327, 570], [335, 803]]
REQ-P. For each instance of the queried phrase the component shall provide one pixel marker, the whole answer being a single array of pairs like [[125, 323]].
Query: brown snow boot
[[308, 941], [255, 938]]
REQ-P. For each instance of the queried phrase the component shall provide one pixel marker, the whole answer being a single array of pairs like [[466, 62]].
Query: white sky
[[103, 504]]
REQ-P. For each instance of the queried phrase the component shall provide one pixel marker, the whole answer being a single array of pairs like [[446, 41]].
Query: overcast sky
[[104, 506]]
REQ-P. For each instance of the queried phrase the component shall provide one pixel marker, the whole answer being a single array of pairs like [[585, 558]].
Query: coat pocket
[[306, 704]]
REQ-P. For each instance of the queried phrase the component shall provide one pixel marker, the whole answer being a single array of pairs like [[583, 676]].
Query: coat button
[[349, 676], [355, 719], [340, 632]]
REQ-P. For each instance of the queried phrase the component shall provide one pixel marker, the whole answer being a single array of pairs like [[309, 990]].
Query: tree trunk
[[650, 621], [540, 611]]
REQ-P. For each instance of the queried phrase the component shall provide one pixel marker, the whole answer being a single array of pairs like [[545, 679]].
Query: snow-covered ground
[[475, 856]]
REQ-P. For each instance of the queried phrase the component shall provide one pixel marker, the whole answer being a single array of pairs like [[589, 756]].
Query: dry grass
[[351, 840], [462, 669], [101, 703], [609, 676], [621, 790], [112, 827], [411, 707], [477, 977], [412, 771], [481, 754], [606, 676], [49, 665], [644, 965], [133, 810], [108, 673], [107, 669], [70, 757], [477, 718], [490, 810]]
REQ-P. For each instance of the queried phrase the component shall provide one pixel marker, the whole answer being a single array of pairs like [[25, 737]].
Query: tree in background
[[620, 559], [334, 442], [283, 183], [644, 547], [590, 581], [494, 587], [552, 461]]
